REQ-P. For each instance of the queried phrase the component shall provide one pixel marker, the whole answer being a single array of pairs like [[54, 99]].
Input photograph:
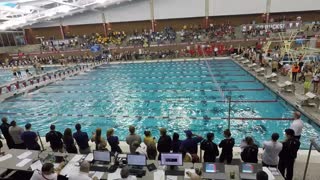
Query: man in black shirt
[[227, 147], [164, 143], [82, 140], [210, 149], [288, 154], [5, 131], [55, 139]]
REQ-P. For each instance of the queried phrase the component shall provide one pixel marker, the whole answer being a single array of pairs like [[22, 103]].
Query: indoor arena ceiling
[[19, 13]]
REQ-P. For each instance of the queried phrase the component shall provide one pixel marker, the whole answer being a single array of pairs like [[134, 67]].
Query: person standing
[[272, 148], [288, 154], [190, 145], [15, 132], [250, 151], [297, 125], [307, 82], [55, 139], [69, 142], [176, 143], [99, 141], [227, 147], [30, 138], [5, 131], [294, 69], [210, 149], [132, 137], [113, 141], [82, 140], [164, 142]]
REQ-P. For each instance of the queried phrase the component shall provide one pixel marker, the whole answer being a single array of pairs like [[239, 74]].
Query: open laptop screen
[[137, 160], [101, 156], [210, 168], [171, 159], [247, 168]]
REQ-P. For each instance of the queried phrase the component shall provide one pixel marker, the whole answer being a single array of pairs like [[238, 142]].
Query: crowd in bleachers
[[276, 154]]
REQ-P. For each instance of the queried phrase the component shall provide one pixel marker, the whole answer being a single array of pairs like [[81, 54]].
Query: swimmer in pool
[[19, 72], [14, 72], [28, 72]]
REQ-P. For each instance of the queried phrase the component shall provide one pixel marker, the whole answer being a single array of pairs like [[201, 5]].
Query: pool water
[[176, 95], [6, 74]]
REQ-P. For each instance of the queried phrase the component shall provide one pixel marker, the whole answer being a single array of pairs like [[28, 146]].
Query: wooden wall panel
[[130, 27], [179, 23], [47, 33], [87, 29]]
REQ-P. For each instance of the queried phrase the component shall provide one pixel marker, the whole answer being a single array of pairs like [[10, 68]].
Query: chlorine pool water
[[175, 95]]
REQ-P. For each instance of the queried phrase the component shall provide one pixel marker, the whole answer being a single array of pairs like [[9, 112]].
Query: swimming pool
[[6, 74], [175, 95]]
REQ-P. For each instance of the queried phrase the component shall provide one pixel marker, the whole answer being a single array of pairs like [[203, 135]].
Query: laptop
[[213, 171], [100, 160], [101, 157], [249, 171], [172, 161], [136, 162]]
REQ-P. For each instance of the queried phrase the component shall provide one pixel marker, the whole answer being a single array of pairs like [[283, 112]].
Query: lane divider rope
[[138, 116]]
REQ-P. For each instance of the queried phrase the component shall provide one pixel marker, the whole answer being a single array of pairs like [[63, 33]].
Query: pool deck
[[312, 112]]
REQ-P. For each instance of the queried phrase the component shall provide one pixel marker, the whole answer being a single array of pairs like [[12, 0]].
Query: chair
[[260, 71], [252, 66], [309, 99], [287, 86], [272, 77], [245, 61]]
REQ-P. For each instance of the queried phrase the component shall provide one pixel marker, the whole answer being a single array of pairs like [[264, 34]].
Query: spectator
[[30, 138], [227, 147], [295, 69], [113, 141], [132, 137], [261, 175], [176, 143], [125, 175], [15, 132], [297, 125], [47, 172], [99, 141], [69, 142], [307, 80], [210, 148], [83, 174], [55, 139], [148, 139], [82, 140], [272, 148], [250, 151], [190, 145], [152, 151], [288, 154], [164, 142], [5, 131]]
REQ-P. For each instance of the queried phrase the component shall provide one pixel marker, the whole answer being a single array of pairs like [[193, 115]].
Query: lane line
[[145, 101], [205, 117], [158, 90], [152, 83]]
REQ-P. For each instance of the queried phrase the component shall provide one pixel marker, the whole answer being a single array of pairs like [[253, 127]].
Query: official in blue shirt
[[190, 145], [82, 140], [30, 138]]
